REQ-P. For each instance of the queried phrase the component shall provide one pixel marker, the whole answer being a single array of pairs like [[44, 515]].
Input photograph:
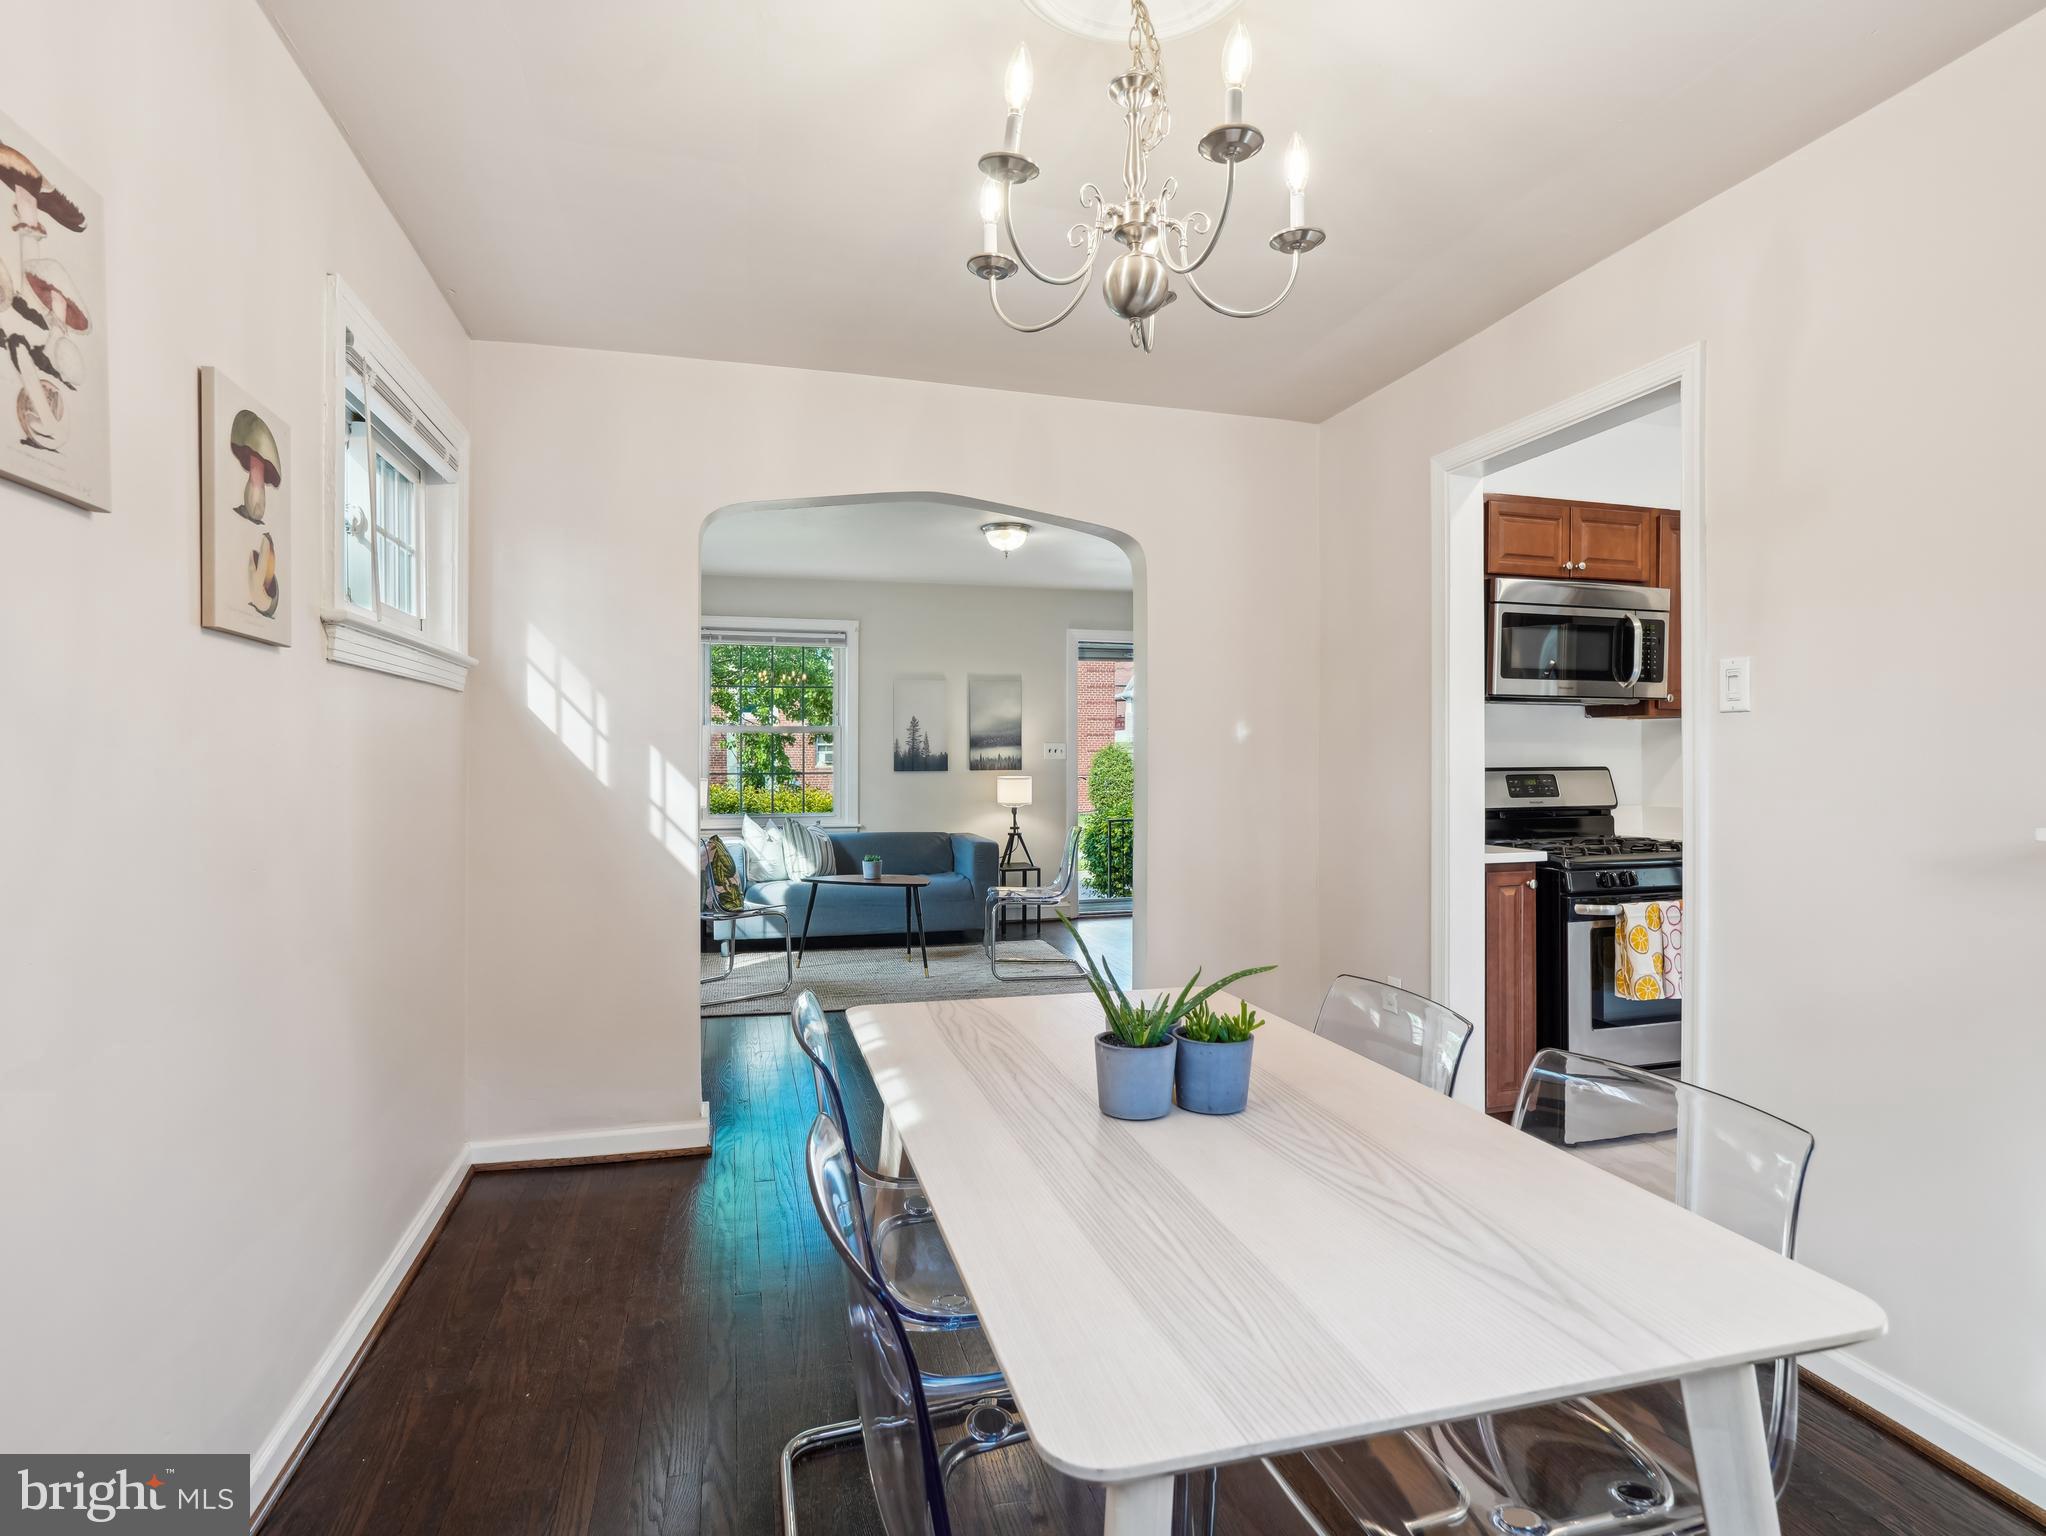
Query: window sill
[[357, 641]]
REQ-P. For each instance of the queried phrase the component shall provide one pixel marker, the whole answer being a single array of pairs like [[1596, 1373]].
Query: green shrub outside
[[763, 800], [1106, 836]]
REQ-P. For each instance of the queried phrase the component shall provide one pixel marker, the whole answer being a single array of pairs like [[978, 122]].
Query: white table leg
[[1725, 1411], [888, 1157], [1140, 1508]]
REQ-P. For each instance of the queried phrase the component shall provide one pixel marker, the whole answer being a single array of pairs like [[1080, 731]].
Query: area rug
[[846, 978]]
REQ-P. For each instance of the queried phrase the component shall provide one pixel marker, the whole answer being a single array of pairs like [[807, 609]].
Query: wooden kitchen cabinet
[[1509, 982], [1576, 540], [1525, 536]]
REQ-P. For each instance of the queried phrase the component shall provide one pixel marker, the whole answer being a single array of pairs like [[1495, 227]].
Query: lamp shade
[[1012, 789]]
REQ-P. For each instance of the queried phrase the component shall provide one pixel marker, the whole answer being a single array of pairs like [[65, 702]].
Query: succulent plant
[[1149, 1022]]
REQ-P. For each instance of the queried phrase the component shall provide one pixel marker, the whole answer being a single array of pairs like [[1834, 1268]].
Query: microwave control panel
[[1652, 632]]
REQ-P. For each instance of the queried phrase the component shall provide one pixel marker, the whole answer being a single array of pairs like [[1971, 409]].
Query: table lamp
[[1013, 790]]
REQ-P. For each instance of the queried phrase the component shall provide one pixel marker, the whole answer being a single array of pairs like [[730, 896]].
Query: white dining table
[[1351, 1255]]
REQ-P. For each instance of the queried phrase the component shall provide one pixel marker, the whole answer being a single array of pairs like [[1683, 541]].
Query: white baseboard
[[612, 1141], [273, 1461], [2022, 1471], [275, 1457]]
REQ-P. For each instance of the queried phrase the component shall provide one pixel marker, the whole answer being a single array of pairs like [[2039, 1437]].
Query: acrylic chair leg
[[1196, 1497]]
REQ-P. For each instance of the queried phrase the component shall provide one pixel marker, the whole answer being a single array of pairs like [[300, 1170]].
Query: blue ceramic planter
[[1133, 1082], [1213, 1076]]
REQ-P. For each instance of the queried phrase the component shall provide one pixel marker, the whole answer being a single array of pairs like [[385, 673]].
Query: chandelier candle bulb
[[1296, 180], [1016, 85], [1235, 71]]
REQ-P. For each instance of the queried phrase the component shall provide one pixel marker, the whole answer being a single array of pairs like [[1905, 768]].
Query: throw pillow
[[799, 843], [765, 858], [721, 878]]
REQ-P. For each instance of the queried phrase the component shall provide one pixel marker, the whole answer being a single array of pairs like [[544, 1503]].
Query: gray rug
[[846, 978]]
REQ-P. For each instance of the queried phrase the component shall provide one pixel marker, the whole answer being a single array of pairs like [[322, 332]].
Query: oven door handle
[[1596, 909], [1640, 644]]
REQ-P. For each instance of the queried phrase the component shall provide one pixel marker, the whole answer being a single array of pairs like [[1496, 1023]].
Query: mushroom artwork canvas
[[55, 434], [244, 513]]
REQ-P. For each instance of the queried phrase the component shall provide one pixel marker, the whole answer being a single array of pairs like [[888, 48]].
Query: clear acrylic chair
[[896, 1402], [899, 1244], [1420, 1039], [1623, 1462], [1051, 895], [1413, 1035], [1619, 1464], [729, 946]]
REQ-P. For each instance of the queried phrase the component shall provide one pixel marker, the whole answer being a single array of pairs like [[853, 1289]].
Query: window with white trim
[[780, 719], [399, 504]]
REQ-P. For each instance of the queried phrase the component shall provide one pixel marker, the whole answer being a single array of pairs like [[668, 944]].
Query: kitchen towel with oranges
[[1648, 950]]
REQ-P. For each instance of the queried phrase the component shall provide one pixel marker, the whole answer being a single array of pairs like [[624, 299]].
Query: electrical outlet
[[1054, 749], [1392, 981]]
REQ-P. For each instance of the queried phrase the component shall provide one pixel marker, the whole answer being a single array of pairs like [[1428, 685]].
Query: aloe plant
[[1149, 1022], [1206, 1025]]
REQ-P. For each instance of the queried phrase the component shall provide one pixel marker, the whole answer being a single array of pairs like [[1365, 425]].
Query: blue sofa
[[962, 868]]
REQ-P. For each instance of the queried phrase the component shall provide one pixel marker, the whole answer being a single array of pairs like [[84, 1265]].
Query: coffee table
[[912, 887]]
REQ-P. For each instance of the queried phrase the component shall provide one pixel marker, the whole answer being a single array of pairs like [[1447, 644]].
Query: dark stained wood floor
[[624, 1349]]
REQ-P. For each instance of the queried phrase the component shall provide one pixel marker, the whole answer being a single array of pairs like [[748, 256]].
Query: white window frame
[[845, 729], [407, 420]]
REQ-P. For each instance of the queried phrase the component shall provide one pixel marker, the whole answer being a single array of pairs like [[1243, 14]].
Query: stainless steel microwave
[[1565, 642]]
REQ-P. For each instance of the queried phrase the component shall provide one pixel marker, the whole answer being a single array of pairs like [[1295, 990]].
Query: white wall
[[1870, 310], [231, 918], [1636, 463], [582, 982], [908, 627]]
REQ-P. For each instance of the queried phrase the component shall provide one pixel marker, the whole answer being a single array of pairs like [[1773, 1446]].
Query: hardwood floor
[[625, 1348]]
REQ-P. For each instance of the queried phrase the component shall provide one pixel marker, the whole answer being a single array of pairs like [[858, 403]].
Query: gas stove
[[1607, 849], [1589, 871]]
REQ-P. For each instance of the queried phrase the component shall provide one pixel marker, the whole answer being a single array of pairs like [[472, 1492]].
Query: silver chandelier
[[1138, 283]]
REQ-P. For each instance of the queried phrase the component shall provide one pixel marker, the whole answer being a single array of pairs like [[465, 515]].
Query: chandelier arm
[[994, 294], [1009, 229], [1214, 235], [1246, 314]]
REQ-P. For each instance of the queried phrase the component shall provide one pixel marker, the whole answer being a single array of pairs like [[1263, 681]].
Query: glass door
[[1104, 691]]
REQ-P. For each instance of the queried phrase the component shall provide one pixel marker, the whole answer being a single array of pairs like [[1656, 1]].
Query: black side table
[[1029, 915]]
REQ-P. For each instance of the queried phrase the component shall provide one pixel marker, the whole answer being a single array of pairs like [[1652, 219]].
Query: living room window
[[780, 719]]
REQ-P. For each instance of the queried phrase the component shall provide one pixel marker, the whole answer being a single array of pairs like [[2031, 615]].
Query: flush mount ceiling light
[[1138, 283], [1006, 536]]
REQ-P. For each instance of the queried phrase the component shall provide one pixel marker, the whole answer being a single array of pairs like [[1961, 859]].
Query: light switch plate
[[1736, 685], [1054, 749]]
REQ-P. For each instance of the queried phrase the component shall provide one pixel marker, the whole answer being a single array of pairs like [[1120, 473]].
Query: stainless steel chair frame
[[730, 949]]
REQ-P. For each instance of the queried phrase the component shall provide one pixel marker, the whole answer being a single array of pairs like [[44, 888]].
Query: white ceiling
[[793, 181], [922, 541]]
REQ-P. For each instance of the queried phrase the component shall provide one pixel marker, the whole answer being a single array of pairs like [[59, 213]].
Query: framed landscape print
[[57, 435], [994, 722], [920, 729], [244, 513]]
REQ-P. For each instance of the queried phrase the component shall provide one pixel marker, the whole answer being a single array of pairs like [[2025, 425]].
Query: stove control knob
[[1605, 877], [1628, 877]]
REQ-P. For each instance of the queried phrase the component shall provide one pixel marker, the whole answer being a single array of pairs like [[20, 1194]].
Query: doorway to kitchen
[[1657, 789]]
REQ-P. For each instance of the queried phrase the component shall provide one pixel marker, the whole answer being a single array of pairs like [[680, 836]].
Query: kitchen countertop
[[1494, 854]]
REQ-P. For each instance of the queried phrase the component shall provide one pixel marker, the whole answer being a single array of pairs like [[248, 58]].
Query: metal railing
[[1119, 876]]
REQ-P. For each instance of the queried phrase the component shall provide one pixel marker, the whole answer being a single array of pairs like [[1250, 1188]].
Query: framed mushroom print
[[244, 513], [55, 435]]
